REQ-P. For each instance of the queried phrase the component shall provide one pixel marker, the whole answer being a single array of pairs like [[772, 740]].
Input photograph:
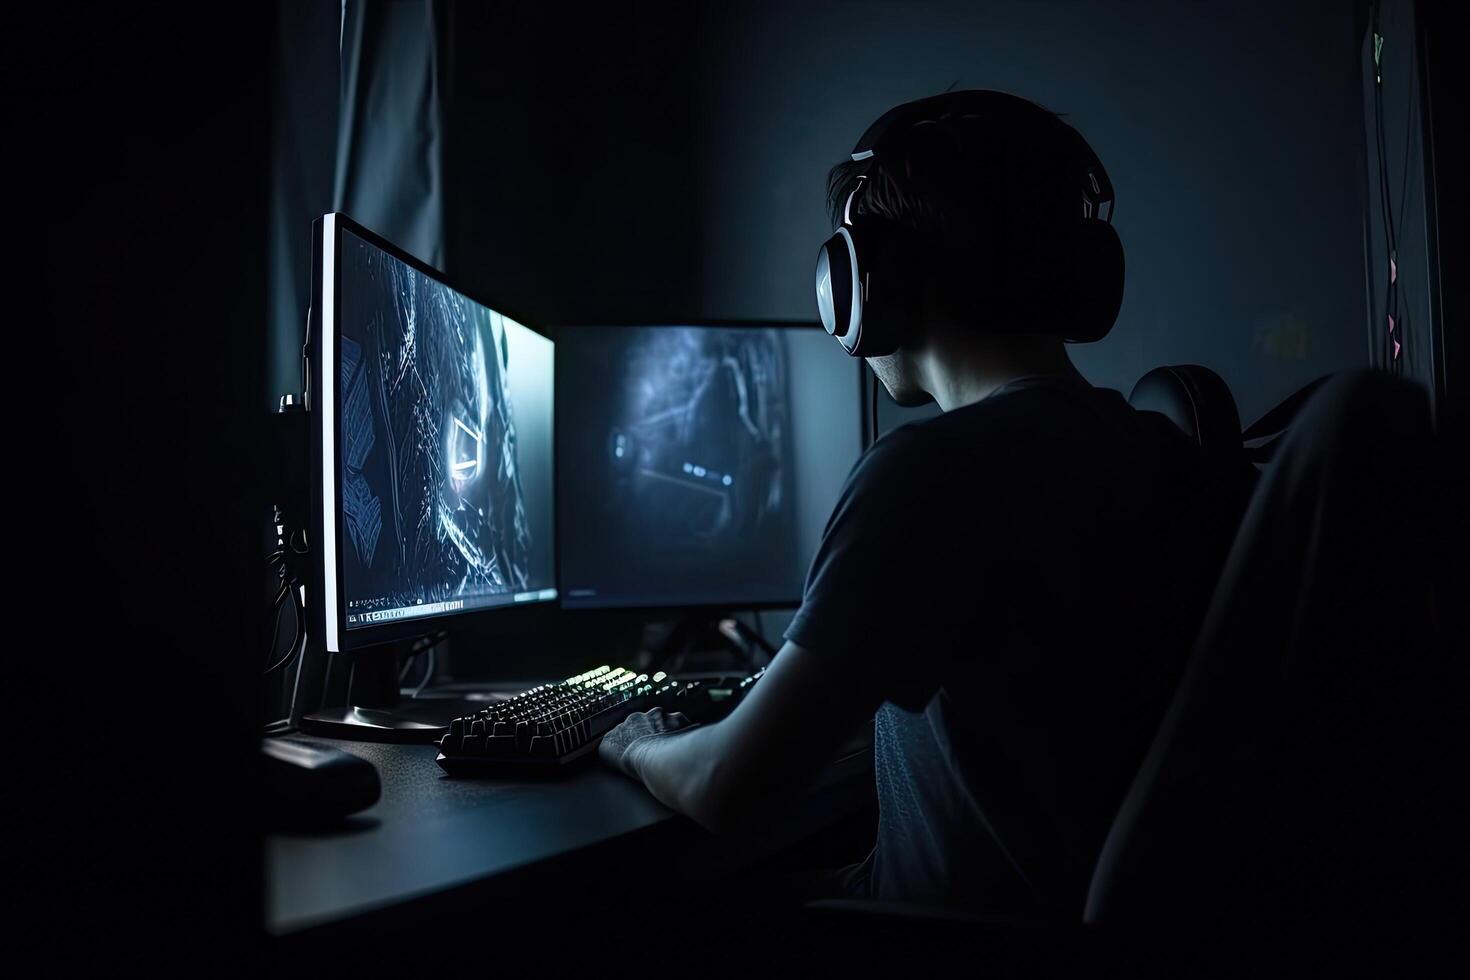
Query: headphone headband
[[893, 125]]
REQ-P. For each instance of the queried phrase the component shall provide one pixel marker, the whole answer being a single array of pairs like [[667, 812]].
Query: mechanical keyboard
[[552, 726]]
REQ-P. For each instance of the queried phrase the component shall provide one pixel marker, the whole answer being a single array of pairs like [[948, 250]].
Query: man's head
[[976, 202]]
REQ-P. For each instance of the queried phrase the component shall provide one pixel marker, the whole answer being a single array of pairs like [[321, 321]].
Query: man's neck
[[968, 372]]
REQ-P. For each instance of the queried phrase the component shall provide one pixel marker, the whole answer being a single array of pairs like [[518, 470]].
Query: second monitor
[[698, 464]]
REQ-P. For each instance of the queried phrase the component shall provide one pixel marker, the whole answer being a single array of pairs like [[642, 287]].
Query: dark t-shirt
[[1026, 575]]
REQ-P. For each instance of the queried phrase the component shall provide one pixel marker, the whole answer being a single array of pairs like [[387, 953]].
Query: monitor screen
[[443, 447], [699, 463]]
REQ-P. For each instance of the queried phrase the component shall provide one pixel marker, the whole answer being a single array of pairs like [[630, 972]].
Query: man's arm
[[769, 749], [861, 604]]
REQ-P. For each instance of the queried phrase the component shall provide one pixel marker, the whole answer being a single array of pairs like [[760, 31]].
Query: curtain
[[389, 156], [1397, 250], [359, 128]]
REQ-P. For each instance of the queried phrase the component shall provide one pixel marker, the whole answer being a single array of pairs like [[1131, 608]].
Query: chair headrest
[[1195, 399]]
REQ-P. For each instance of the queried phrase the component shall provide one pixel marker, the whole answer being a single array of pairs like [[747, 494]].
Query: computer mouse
[[308, 783]]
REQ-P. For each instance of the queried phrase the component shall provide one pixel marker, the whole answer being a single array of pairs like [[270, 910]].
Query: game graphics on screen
[[433, 509], [683, 437]]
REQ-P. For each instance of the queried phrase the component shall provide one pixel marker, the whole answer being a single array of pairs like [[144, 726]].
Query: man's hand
[[617, 748], [771, 747]]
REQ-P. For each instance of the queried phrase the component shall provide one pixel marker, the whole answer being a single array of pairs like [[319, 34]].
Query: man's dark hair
[[971, 189]]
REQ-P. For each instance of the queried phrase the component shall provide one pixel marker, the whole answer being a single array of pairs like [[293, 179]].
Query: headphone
[[871, 271]]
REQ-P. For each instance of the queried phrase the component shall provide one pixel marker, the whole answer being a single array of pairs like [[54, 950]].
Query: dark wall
[[572, 176], [1232, 132]]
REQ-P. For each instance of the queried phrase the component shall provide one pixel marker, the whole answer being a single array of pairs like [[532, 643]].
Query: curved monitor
[[435, 432]]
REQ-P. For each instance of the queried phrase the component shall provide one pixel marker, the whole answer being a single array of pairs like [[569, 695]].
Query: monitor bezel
[[634, 605], [330, 616]]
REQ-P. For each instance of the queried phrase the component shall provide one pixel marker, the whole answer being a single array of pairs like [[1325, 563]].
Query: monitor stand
[[712, 640], [377, 712]]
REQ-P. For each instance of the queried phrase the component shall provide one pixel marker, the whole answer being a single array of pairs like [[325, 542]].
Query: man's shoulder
[[1035, 425], [992, 422], [905, 449], [929, 451]]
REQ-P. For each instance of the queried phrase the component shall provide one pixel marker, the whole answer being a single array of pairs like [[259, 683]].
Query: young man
[[1007, 591]]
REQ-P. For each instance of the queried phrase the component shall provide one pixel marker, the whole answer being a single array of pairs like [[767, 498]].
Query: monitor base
[[409, 721]]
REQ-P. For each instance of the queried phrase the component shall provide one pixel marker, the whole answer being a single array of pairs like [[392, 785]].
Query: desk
[[431, 838]]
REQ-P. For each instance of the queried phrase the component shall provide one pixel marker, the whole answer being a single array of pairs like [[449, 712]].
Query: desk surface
[[429, 834]]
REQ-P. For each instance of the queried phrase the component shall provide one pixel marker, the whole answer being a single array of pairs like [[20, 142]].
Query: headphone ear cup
[[1078, 288], [867, 288], [891, 285], [839, 304], [1091, 290]]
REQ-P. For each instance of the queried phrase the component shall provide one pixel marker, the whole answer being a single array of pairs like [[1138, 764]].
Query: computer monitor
[[699, 462], [435, 439]]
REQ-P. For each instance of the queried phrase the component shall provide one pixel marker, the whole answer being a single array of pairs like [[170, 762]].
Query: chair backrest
[[1297, 787], [1195, 399]]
